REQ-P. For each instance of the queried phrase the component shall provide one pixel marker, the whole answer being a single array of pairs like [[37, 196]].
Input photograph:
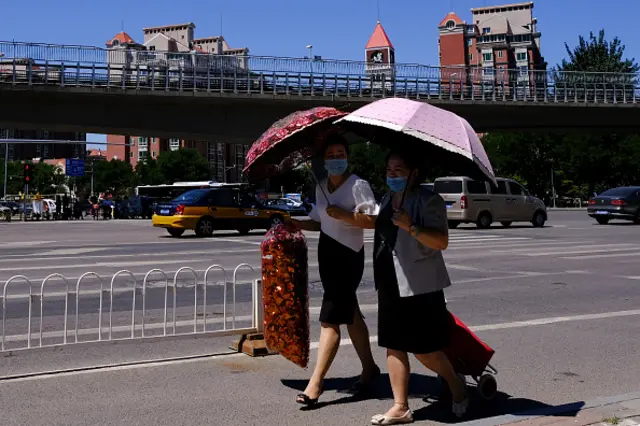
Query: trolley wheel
[[487, 387]]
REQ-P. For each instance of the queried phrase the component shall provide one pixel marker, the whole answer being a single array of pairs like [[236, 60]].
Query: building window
[[523, 70], [174, 144], [487, 57], [450, 24], [521, 56], [131, 155], [152, 48], [486, 30], [471, 30], [499, 53], [470, 56], [469, 42]]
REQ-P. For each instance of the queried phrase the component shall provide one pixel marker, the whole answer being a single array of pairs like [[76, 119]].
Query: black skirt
[[416, 324], [341, 271]]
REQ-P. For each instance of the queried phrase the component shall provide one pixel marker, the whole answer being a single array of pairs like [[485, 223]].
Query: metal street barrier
[[14, 314]]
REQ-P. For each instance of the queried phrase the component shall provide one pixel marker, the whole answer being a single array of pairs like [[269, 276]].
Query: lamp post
[[310, 49]]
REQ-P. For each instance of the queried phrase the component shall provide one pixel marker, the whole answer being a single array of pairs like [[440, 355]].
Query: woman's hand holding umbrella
[[402, 220]]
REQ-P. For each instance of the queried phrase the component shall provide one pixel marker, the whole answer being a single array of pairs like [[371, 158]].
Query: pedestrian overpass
[[217, 97]]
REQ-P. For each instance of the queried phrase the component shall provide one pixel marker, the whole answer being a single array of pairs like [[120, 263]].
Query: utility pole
[[92, 167], [6, 169], [553, 188]]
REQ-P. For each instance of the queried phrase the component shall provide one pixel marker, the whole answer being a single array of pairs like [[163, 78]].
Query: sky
[[337, 29]]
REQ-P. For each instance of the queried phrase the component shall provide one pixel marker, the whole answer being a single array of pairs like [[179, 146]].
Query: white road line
[[556, 253], [186, 262], [590, 247], [600, 256], [26, 243], [173, 254], [314, 345]]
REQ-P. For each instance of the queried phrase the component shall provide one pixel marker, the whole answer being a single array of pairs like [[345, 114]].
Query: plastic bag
[[285, 294]]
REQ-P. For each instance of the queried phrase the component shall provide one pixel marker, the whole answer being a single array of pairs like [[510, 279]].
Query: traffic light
[[28, 173]]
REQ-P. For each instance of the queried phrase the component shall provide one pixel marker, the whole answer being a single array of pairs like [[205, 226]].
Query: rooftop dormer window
[[451, 24]]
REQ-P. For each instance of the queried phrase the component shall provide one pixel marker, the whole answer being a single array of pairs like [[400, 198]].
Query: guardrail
[[132, 70], [138, 327]]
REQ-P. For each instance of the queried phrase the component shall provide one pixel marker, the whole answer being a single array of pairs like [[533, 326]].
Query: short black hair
[[409, 160], [335, 139]]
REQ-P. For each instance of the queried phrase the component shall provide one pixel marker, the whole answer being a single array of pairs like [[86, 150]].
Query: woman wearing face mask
[[410, 275], [339, 214]]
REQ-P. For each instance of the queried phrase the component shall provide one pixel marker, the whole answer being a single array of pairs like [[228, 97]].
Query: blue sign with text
[[74, 167]]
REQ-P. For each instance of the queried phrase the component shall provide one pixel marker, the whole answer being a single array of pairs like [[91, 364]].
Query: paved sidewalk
[[622, 410]]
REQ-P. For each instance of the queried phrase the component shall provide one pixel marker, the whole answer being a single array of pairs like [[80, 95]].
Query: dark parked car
[[617, 203]]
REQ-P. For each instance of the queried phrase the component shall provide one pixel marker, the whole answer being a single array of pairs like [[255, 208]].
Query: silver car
[[482, 203]]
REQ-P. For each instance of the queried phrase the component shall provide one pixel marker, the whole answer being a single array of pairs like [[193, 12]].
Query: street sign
[[74, 167]]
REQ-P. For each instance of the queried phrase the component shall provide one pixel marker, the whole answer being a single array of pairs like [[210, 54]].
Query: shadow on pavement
[[428, 389]]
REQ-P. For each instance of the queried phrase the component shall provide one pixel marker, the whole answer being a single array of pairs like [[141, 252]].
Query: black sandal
[[303, 398]]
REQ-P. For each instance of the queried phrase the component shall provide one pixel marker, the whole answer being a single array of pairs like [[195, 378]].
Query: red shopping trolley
[[470, 356]]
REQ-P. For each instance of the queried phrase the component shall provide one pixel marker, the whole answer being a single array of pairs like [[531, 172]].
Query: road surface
[[559, 305]]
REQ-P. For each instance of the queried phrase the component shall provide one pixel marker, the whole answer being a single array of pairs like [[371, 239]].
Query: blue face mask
[[336, 166], [397, 184]]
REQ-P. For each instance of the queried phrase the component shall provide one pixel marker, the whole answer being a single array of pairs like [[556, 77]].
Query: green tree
[[525, 157], [596, 67], [149, 172], [183, 165], [115, 177], [597, 54], [367, 161]]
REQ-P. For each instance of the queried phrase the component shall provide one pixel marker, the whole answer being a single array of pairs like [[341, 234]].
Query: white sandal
[[381, 419]]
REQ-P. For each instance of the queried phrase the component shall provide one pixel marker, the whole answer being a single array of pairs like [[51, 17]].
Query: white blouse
[[353, 195]]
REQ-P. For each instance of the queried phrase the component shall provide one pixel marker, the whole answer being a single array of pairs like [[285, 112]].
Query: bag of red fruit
[[285, 294]]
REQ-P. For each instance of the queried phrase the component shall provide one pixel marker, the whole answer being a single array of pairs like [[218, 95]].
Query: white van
[[482, 203]]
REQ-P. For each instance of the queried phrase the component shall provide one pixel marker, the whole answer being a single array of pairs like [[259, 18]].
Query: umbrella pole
[[317, 182]]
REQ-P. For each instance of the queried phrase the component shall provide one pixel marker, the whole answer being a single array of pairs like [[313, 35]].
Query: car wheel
[[276, 220], [484, 220], [506, 224], [244, 231], [539, 219], [602, 220], [204, 227], [453, 224], [175, 232]]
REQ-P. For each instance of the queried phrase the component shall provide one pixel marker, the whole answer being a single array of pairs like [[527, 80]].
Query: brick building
[[498, 38], [175, 47]]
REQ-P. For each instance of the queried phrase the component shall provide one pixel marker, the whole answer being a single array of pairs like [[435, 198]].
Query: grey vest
[[420, 269]]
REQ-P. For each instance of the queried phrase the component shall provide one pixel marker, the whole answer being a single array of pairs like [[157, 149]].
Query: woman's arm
[[306, 225], [431, 229], [359, 220]]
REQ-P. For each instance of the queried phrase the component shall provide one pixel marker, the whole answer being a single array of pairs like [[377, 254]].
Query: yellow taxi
[[206, 210]]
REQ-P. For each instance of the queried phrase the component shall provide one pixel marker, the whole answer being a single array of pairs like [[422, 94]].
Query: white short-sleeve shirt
[[353, 195]]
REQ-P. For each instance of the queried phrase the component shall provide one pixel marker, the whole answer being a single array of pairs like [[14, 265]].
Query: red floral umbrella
[[303, 132]]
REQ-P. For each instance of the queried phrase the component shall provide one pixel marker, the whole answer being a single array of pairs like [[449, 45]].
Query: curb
[[567, 209], [573, 407]]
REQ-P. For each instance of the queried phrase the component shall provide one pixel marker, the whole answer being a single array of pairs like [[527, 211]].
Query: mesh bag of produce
[[285, 294]]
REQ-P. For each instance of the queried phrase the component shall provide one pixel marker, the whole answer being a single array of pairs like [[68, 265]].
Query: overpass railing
[[127, 306], [141, 70]]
